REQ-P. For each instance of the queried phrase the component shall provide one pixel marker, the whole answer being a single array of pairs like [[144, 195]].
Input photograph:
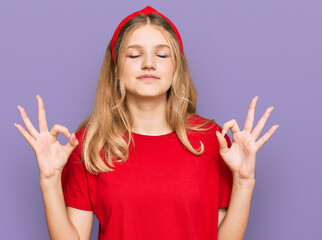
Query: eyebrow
[[157, 46]]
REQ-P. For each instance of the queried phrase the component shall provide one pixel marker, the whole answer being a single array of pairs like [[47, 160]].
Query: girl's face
[[147, 53]]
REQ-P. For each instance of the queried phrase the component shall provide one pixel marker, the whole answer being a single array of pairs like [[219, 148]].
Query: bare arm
[[82, 220], [58, 223], [241, 159], [62, 222], [234, 224]]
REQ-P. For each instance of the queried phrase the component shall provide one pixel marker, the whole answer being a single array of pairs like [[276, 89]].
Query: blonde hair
[[110, 119]]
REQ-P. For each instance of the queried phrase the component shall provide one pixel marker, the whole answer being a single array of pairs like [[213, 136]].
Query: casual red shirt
[[162, 192]]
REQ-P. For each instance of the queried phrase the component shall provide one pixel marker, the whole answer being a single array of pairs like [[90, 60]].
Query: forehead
[[147, 36]]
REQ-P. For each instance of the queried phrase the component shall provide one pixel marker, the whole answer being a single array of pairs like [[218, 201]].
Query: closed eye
[[135, 56]]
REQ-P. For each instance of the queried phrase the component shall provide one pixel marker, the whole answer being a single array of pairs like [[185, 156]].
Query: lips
[[148, 77]]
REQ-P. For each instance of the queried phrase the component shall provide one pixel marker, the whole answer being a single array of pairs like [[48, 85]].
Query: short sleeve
[[225, 180], [75, 183]]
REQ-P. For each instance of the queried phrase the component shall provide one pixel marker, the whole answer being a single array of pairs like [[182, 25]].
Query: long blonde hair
[[110, 119]]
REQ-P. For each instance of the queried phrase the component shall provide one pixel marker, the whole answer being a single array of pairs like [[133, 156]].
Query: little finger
[[26, 135]]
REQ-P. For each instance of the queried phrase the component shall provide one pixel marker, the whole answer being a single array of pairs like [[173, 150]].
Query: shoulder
[[206, 133], [80, 133], [210, 124], [208, 137], [211, 132]]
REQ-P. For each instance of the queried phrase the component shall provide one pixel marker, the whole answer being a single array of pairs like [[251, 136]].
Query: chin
[[150, 94]]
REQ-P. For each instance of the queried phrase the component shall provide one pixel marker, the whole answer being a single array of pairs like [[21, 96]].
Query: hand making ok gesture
[[241, 156], [51, 155]]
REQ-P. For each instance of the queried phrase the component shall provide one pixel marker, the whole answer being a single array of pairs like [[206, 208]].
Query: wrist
[[243, 182], [52, 181]]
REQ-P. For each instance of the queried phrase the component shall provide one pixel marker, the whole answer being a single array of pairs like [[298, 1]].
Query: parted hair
[[110, 119]]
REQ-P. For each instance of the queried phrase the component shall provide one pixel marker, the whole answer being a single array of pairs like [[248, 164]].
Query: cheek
[[168, 69], [129, 70]]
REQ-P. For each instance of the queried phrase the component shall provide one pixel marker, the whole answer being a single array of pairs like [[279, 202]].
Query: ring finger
[[33, 132], [260, 125]]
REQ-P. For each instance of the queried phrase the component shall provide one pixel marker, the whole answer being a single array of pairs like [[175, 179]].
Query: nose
[[148, 62]]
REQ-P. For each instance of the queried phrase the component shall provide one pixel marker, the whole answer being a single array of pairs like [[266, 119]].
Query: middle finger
[[250, 115], [41, 115]]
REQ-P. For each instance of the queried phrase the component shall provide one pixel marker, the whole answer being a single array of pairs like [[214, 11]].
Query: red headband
[[144, 11]]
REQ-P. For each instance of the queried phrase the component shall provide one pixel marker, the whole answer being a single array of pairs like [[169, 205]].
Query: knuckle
[[64, 129], [58, 127]]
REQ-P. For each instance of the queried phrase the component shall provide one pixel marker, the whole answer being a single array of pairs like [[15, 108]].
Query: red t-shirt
[[161, 192]]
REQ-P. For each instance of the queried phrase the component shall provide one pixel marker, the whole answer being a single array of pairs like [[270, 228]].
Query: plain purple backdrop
[[235, 50]]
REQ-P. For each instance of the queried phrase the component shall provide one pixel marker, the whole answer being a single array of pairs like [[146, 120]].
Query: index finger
[[41, 115]]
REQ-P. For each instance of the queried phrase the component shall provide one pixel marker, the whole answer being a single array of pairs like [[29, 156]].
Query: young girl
[[143, 161]]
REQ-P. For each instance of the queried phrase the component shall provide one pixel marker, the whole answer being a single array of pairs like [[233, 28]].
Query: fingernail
[[68, 134], [272, 107], [15, 124], [18, 106], [223, 132]]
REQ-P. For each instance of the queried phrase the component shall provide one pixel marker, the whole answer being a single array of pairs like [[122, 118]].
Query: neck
[[148, 114]]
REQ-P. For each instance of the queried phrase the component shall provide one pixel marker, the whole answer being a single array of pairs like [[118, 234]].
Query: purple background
[[235, 49]]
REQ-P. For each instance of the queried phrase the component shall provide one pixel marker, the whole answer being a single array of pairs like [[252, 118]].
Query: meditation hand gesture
[[51, 155], [241, 156]]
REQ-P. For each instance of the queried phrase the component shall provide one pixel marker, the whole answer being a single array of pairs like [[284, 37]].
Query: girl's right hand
[[51, 155]]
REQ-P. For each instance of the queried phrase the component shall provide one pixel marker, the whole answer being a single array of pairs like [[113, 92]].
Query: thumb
[[223, 148], [72, 143]]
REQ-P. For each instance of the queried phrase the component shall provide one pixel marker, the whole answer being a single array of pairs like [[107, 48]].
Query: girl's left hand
[[241, 156]]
